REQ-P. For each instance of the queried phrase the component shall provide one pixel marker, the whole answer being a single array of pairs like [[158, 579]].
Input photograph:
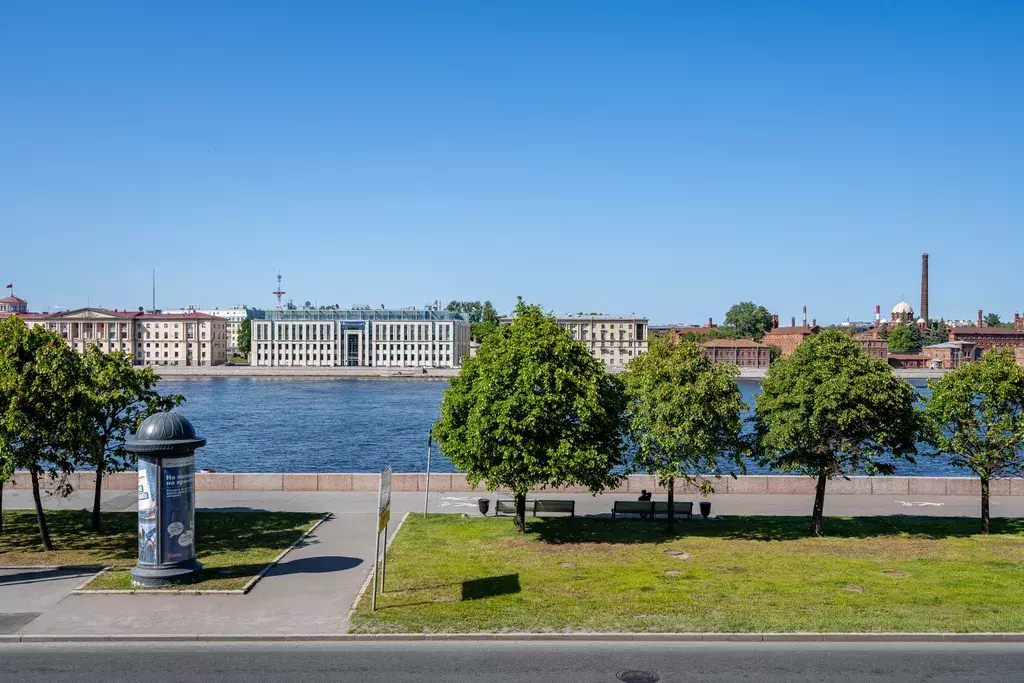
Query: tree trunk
[[520, 518], [671, 505], [44, 532], [1, 507], [819, 504], [96, 497], [984, 503]]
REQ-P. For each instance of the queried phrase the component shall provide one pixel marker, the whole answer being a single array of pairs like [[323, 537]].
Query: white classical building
[[614, 340], [234, 317], [330, 336]]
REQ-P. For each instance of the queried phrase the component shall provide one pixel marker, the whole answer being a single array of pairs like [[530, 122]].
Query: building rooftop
[[744, 343], [947, 345], [799, 329], [12, 300], [361, 314], [986, 330], [194, 315]]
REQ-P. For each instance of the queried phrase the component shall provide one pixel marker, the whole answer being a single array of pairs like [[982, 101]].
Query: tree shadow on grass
[[598, 530], [117, 542], [491, 586]]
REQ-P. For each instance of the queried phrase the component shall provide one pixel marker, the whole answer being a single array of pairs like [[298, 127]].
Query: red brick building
[[988, 337], [788, 338], [950, 355], [909, 361], [744, 353]]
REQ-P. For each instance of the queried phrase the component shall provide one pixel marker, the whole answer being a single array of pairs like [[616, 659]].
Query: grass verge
[[233, 546], [871, 574]]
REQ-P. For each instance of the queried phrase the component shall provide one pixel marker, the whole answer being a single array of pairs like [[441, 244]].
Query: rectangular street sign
[[384, 499]]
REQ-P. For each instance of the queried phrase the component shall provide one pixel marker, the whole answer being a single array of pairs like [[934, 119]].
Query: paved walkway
[[312, 589]]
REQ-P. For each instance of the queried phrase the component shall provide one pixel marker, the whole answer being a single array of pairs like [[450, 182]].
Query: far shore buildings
[[988, 337], [234, 316], [744, 353], [188, 339], [360, 336], [788, 338], [613, 340]]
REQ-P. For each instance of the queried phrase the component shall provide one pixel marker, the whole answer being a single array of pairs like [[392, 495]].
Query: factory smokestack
[[878, 314], [924, 287], [979, 318], [805, 316], [792, 321]]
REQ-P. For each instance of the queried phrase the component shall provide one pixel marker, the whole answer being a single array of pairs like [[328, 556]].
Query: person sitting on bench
[[645, 496]]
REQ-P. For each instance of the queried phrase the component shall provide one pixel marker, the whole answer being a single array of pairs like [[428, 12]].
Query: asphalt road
[[505, 662]]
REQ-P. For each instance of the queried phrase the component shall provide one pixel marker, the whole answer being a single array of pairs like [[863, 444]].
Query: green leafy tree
[[483, 319], [938, 332], [749, 319], [245, 337], [975, 416], [121, 397], [830, 410], [684, 414], [902, 339], [44, 408], [992, 320], [533, 408]]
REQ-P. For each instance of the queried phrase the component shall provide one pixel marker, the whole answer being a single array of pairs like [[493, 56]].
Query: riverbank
[[400, 373], [177, 371]]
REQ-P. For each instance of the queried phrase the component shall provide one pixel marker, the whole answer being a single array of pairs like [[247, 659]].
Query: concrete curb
[[82, 590], [520, 637]]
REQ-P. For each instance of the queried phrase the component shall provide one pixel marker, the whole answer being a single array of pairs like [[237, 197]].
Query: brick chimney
[[792, 321], [980, 321], [924, 287], [878, 314], [814, 322], [775, 321]]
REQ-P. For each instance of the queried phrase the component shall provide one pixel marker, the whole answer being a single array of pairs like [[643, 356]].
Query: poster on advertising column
[[147, 512], [177, 509]]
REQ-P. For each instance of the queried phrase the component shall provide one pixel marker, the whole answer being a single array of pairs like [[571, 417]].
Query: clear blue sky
[[662, 158]]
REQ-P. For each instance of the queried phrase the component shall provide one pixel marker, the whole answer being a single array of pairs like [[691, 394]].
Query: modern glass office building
[[329, 336]]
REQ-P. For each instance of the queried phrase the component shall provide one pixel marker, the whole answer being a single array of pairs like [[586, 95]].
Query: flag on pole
[[10, 286]]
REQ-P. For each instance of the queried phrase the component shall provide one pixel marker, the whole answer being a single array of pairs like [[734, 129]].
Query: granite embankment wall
[[757, 484], [399, 373], [306, 373]]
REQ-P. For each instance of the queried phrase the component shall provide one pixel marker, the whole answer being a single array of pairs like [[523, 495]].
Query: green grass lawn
[[233, 546], [454, 574]]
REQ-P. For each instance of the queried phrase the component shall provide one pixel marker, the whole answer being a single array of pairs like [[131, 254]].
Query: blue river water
[[331, 425]]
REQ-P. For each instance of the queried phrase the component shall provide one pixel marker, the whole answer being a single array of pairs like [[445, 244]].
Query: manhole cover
[[633, 676], [854, 589], [678, 554]]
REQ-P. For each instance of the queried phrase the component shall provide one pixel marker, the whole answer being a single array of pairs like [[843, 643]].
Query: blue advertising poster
[[177, 504], [147, 512]]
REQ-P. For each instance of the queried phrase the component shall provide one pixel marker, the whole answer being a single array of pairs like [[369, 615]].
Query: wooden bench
[[632, 507], [681, 508], [554, 506], [651, 507], [506, 506]]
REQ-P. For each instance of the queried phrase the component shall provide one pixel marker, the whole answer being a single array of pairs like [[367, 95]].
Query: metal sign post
[[426, 494], [383, 517]]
